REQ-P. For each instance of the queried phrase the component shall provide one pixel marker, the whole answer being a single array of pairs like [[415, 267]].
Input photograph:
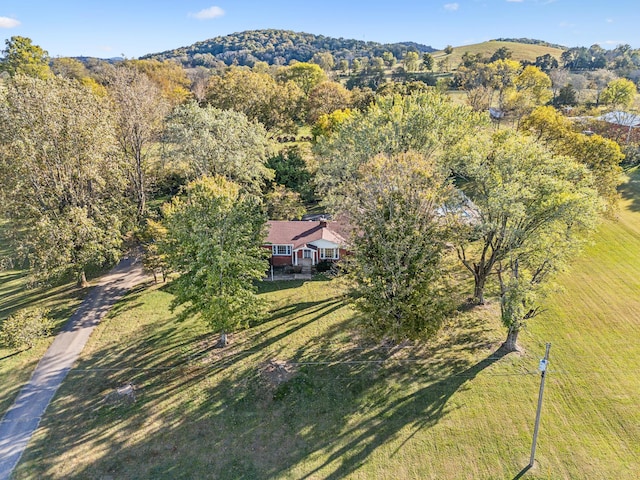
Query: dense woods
[[278, 47], [502, 185]]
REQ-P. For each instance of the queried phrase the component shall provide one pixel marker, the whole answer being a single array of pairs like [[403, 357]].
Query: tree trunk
[[224, 341], [511, 343], [142, 197], [82, 280], [478, 288]]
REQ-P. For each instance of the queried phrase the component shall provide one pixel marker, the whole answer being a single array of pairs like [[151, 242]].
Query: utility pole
[[543, 369]]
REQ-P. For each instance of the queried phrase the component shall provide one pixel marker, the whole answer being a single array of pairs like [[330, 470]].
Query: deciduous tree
[[305, 75], [139, 110], [602, 156], [398, 245], [212, 142], [521, 193], [427, 123], [325, 98], [21, 56], [61, 184], [324, 59], [283, 204], [292, 170], [213, 240], [619, 93], [276, 105], [170, 77], [411, 61], [532, 89]]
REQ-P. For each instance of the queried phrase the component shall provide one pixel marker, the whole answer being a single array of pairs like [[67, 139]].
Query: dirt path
[[23, 417]]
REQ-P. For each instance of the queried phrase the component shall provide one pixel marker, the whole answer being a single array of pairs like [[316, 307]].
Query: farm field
[[520, 51], [300, 395]]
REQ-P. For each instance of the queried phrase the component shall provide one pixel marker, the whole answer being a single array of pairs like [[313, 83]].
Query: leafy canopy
[[21, 56], [213, 142], [600, 155], [427, 123], [62, 186], [524, 198], [213, 240], [398, 245]]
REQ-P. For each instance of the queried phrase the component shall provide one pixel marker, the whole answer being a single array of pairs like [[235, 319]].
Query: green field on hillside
[[520, 51], [301, 395]]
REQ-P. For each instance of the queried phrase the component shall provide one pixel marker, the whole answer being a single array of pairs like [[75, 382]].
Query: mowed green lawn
[[301, 395], [16, 367]]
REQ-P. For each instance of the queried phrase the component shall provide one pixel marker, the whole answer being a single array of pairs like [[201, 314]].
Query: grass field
[[16, 367], [300, 395], [520, 51]]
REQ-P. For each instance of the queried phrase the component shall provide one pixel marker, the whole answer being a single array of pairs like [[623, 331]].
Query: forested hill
[[279, 47]]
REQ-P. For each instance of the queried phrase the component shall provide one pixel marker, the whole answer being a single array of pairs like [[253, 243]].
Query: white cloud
[[609, 20], [451, 7], [208, 13], [566, 25], [6, 22], [105, 48], [515, 1]]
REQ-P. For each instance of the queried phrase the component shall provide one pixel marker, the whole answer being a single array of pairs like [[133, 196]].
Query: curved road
[[23, 417]]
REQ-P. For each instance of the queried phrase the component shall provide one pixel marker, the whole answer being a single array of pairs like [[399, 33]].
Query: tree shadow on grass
[[206, 415], [417, 409], [131, 299], [277, 285], [630, 190]]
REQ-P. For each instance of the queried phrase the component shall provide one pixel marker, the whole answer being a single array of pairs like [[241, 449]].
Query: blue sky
[[136, 27]]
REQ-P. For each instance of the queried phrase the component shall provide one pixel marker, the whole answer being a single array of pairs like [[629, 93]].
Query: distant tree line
[[530, 41], [278, 47]]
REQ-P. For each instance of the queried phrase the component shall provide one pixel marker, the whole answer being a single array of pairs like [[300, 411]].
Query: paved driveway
[[23, 417]]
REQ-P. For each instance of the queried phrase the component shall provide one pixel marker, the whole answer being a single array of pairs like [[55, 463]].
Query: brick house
[[304, 243]]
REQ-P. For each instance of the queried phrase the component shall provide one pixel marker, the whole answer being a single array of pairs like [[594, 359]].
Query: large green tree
[[213, 239], [21, 56], [521, 194], [305, 75], [532, 88], [292, 170], [398, 245], [61, 184], [139, 120], [411, 61], [209, 141], [602, 156], [619, 93], [427, 123], [258, 95]]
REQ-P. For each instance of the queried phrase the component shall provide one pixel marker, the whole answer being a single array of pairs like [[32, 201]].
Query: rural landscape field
[[279, 255]]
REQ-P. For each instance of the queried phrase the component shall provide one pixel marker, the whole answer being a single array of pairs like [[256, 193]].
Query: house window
[[281, 250], [306, 254], [329, 253]]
